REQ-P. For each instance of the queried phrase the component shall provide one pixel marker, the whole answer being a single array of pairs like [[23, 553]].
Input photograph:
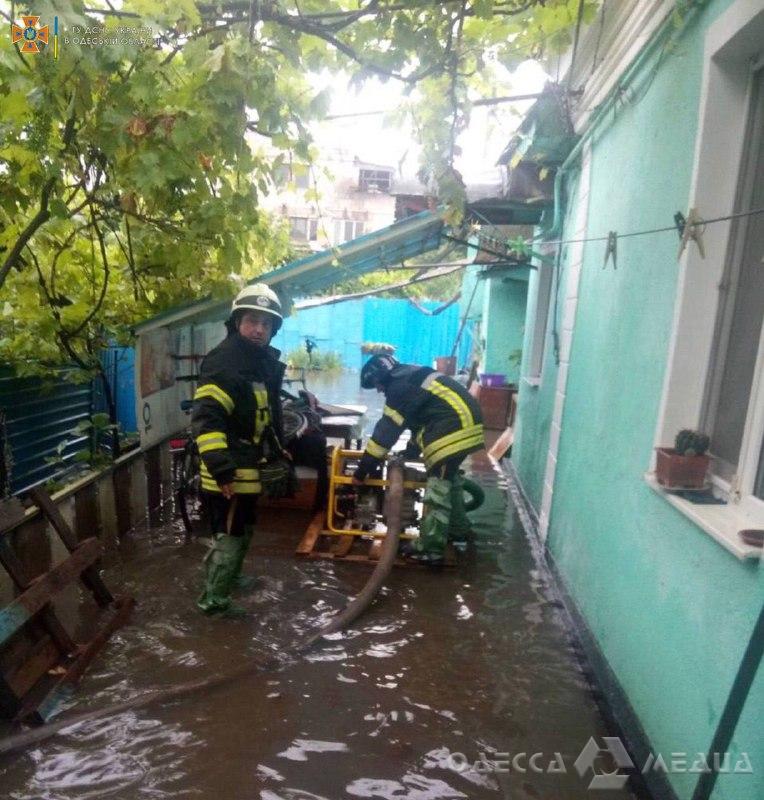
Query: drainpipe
[[598, 115]]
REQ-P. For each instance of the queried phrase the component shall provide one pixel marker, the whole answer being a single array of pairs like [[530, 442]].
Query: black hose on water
[[352, 611]]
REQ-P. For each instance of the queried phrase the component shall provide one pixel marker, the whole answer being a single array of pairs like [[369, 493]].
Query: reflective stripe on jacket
[[444, 418], [236, 417]]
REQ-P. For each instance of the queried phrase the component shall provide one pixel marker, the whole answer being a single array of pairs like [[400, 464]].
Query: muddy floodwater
[[444, 689]]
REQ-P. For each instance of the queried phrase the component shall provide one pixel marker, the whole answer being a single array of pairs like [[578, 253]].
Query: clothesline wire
[[697, 224]]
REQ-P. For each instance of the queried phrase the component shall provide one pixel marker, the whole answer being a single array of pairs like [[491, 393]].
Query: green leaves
[[140, 153], [58, 208]]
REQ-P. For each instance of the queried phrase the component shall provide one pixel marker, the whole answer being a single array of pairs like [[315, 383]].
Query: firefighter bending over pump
[[446, 426], [237, 426]]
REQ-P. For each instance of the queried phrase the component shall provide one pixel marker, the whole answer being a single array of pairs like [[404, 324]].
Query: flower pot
[[492, 379], [680, 472]]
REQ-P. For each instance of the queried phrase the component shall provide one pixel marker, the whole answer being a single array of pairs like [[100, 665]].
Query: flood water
[[431, 694]]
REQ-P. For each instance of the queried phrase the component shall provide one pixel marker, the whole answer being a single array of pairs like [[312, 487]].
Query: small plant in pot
[[684, 465]]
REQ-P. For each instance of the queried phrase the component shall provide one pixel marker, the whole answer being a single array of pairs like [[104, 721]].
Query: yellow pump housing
[[343, 506]]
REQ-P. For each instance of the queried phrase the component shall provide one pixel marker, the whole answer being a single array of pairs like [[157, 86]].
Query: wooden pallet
[[318, 543], [39, 661]]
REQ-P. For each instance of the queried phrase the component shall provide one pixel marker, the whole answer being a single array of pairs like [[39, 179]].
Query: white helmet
[[259, 297]]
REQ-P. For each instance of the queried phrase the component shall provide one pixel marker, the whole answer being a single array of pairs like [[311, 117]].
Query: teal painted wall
[[670, 609], [504, 308], [535, 403]]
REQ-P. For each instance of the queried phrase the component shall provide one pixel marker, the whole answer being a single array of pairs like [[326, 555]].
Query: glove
[[278, 478]]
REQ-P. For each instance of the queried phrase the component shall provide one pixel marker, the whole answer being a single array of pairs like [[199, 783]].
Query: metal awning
[[404, 239]]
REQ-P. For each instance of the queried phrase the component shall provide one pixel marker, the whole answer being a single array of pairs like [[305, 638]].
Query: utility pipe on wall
[[615, 94]]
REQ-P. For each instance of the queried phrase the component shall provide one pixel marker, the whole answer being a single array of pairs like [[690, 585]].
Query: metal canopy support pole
[[741, 686]]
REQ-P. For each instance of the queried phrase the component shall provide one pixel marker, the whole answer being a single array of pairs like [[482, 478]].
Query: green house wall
[[504, 307], [535, 402], [671, 611]]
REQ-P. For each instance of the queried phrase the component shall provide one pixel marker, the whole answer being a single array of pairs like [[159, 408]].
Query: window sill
[[721, 523], [531, 381]]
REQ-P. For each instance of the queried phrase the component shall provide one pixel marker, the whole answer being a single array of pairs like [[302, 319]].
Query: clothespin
[[692, 229], [611, 249]]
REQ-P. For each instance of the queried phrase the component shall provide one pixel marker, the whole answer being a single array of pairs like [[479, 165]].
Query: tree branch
[[371, 9], [39, 219], [61, 333], [97, 305], [42, 215], [454, 81], [197, 35]]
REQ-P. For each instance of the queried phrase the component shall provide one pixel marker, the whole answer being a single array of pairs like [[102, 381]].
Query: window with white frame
[[544, 288], [715, 374], [298, 229], [375, 180], [347, 229], [731, 391]]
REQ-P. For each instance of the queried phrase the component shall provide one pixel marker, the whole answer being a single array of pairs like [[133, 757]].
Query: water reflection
[[299, 749], [410, 787], [108, 757], [472, 660]]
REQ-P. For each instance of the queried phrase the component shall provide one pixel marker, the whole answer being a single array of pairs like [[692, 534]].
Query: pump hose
[[349, 614], [476, 493]]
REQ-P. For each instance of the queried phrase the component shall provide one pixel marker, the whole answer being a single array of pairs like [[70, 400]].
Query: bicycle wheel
[[188, 493], [294, 424]]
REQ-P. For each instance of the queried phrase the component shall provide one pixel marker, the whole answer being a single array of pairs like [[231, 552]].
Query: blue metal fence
[[38, 415], [418, 338], [342, 328], [119, 366], [335, 328]]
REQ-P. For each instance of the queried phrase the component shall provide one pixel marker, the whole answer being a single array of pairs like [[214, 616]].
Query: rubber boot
[[459, 527], [222, 562], [430, 547], [245, 583]]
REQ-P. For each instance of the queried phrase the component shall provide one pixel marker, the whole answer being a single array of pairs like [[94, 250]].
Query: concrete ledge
[[721, 523]]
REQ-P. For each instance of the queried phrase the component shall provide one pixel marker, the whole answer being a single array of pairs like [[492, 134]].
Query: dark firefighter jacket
[[443, 417], [236, 419]]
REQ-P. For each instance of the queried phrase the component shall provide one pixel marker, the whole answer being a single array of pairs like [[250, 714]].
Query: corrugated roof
[[404, 239], [546, 135]]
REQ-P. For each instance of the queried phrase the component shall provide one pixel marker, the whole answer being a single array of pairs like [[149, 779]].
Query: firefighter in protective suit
[[445, 424], [236, 423]]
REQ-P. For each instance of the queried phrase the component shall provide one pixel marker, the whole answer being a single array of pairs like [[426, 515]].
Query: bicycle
[[186, 476]]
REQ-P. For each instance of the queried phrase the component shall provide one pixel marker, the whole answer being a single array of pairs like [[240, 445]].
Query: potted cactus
[[684, 465]]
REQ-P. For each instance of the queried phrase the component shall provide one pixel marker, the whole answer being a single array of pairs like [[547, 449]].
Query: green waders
[[459, 526], [433, 531], [245, 582], [223, 564]]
